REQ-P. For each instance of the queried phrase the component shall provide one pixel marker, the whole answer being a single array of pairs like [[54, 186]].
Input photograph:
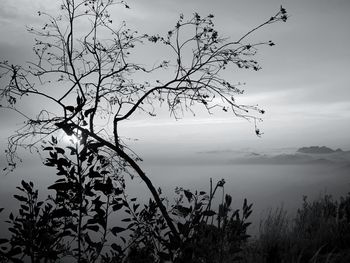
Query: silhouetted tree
[[87, 73]]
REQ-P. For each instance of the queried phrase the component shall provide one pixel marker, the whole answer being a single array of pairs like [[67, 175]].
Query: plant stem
[[80, 200]]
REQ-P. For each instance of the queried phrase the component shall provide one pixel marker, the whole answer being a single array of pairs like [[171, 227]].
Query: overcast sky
[[303, 84]]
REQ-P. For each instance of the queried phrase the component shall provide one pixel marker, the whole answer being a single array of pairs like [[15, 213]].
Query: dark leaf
[[245, 225], [54, 140], [116, 247], [115, 230], [49, 163], [87, 112], [117, 207], [104, 172], [188, 195], [20, 188], [63, 162], [92, 221], [25, 208], [72, 149], [184, 211], [248, 214], [283, 10], [245, 203], [235, 213], [118, 191], [135, 206], [198, 206], [123, 239], [59, 150], [228, 200], [90, 242], [61, 186], [70, 108], [72, 172], [93, 227], [94, 174], [20, 198], [49, 148], [62, 172], [79, 100], [209, 213], [26, 186], [131, 225], [90, 159], [13, 230]]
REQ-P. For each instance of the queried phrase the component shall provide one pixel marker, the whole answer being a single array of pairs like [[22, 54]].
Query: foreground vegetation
[[320, 232], [78, 223]]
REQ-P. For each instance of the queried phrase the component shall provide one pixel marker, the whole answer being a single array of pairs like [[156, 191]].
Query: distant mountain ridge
[[312, 155], [305, 155], [317, 149]]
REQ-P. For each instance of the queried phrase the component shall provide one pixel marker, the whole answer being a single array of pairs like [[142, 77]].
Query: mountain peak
[[317, 149]]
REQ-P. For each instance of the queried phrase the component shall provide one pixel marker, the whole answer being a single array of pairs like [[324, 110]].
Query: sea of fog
[[267, 186]]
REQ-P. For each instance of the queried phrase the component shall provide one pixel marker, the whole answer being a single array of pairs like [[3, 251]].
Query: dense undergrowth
[[320, 232]]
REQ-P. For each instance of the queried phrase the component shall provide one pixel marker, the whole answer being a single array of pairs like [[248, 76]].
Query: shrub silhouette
[[75, 223]]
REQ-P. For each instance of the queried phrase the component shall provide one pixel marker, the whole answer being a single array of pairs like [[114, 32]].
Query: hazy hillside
[[304, 155]]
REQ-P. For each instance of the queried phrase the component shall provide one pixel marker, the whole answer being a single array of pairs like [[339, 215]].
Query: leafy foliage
[[219, 240], [36, 233]]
